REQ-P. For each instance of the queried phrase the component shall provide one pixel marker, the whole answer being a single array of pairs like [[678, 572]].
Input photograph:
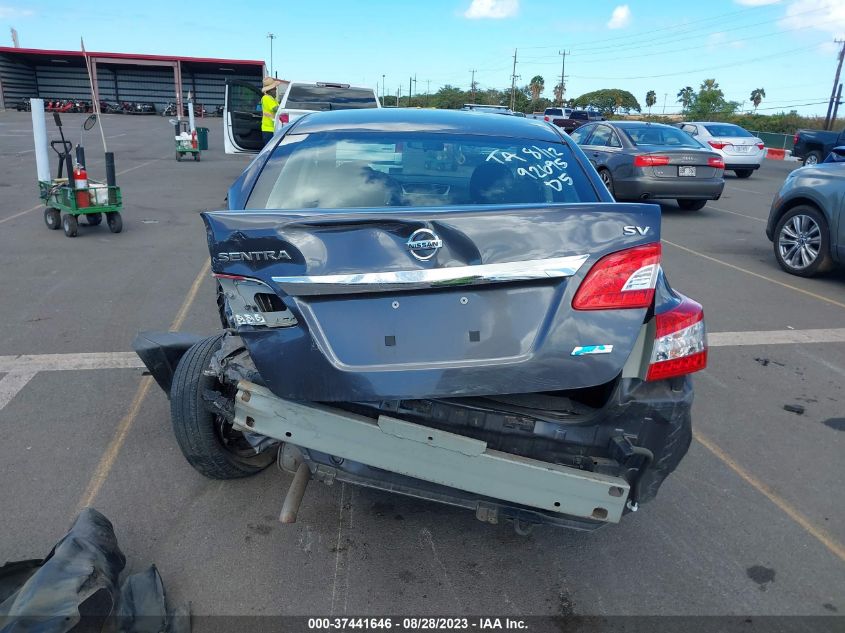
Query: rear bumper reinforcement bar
[[431, 455]]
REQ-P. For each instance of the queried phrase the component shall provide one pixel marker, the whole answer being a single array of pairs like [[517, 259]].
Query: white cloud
[[720, 41], [756, 3], [824, 15], [620, 18], [8, 13], [493, 9]]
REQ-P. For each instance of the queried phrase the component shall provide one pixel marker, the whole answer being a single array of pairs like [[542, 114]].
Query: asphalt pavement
[[752, 522]]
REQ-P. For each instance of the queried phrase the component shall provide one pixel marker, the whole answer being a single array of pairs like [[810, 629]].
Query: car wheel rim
[[812, 160], [800, 241], [605, 178]]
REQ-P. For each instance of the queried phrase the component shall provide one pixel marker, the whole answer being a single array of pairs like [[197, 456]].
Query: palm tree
[[650, 99], [685, 96], [537, 84], [559, 91], [757, 96]]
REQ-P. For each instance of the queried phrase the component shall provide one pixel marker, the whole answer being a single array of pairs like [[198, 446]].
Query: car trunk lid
[[433, 302]]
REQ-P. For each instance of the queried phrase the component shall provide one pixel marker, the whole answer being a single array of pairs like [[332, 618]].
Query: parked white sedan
[[742, 151]]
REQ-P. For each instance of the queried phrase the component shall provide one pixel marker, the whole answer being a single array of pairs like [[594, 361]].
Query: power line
[[665, 28], [698, 70]]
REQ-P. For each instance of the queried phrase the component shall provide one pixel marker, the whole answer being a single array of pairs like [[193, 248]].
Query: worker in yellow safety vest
[[269, 105]]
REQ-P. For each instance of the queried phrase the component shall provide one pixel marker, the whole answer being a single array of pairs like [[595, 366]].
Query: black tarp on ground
[[75, 588]]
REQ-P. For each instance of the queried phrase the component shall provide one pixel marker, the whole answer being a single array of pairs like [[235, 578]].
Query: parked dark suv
[[500, 337]]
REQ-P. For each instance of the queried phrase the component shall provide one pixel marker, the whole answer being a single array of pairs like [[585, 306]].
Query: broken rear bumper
[[434, 456]]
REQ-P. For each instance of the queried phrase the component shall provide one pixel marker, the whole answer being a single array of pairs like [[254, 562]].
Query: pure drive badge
[[253, 256], [585, 350]]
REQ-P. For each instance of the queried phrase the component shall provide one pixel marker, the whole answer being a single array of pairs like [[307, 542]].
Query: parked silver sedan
[[651, 161], [740, 149], [807, 219]]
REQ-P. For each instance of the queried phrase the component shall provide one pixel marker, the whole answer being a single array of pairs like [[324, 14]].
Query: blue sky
[[784, 46]]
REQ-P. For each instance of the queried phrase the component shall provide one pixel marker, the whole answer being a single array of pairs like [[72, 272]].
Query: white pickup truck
[[242, 109]]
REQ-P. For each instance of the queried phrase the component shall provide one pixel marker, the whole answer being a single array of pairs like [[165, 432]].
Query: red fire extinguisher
[[194, 139], [80, 183]]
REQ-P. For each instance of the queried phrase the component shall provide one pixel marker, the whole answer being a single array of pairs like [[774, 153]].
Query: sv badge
[[635, 230]]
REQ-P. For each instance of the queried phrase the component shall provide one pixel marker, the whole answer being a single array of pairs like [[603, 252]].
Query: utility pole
[[513, 80], [382, 91], [398, 95], [472, 86], [427, 90], [665, 94], [562, 69], [828, 122], [271, 37], [836, 105], [410, 89]]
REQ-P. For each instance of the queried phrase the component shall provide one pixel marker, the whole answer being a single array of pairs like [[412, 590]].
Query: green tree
[[711, 101], [757, 96], [536, 86], [685, 97], [609, 101], [449, 97], [650, 99]]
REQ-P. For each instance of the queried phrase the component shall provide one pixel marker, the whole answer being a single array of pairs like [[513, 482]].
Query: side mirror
[[90, 122]]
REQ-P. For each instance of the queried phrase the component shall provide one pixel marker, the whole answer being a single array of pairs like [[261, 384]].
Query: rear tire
[[743, 173], [69, 225], [52, 218], [206, 441], [813, 158], [607, 179], [810, 221], [692, 205], [114, 221]]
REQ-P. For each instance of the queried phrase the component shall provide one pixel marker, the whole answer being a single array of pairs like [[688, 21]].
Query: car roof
[[326, 83], [624, 124], [431, 121]]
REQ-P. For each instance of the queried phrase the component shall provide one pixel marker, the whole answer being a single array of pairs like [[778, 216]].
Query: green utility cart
[[64, 208]]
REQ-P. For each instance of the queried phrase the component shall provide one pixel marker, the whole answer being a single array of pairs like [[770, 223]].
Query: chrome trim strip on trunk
[[553, 268]]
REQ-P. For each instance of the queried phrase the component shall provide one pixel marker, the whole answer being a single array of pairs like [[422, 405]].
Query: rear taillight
[[624, 279], [761, 145], [717, 144], [716, 162], [680, 343], [284, 118], [545, 118], [795, 139], [648, 160]]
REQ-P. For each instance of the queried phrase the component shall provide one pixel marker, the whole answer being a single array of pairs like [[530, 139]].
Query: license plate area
[[686, 171]]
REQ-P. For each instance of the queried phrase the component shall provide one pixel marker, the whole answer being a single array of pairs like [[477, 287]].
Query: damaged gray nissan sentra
[[445, 305]]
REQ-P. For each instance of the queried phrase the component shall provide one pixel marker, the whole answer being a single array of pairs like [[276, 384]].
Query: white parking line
[[775, 337], [70, 362], [12, 383]]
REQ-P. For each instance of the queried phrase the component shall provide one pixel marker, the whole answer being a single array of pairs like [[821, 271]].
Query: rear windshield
[[726, 129], [663, 136], [554, 111], [313, 97], [354, 170]]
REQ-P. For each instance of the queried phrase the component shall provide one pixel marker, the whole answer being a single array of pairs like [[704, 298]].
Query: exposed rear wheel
[[209, 443], [743, 173], [692, 205], [802, 242]]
